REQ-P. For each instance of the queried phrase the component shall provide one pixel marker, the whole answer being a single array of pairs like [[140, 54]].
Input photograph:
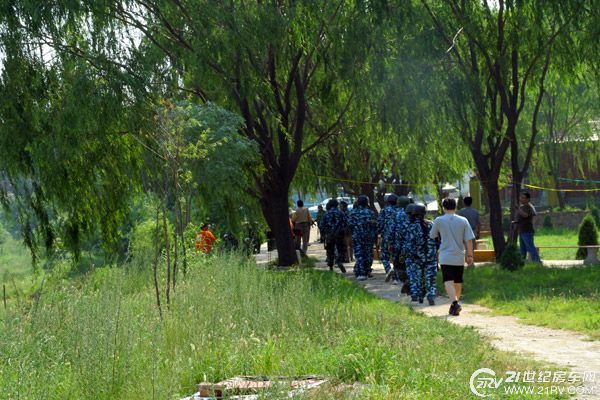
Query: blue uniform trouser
[[421, 276], [526, 245], [336, 248], [385, 255], [363, 255]]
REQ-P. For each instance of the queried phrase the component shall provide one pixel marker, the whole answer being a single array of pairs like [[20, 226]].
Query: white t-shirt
[[455, 232]]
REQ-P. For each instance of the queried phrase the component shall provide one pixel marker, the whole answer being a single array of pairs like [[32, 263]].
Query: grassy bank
[[100, 336], [557, 298]]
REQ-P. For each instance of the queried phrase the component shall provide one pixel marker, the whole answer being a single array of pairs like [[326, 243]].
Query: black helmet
[[362, 201], [392, 199], [410, 209], [419, 209], [403, 201]]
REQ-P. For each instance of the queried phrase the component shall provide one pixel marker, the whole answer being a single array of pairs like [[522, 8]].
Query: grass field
[[557, 298], [553, 237], [556, 237], [100, 336]]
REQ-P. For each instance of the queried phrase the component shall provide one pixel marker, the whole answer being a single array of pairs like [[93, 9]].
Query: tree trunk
[[560, 195], [175, 257], [168, 255], [495, 208], [156, 260], [275, 205], [182, 226]]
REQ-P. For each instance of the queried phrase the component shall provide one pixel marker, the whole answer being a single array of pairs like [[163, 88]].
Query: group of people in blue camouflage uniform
[[408, 255]]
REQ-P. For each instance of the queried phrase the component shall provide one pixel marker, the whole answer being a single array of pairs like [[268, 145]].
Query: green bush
[[143, 242], [511, 259], [588, 236], [548, 222]]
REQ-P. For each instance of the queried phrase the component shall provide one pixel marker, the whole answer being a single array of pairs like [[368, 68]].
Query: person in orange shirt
[[204, 240]]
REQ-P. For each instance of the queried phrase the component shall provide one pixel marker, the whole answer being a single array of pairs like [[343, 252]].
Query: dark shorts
[[453, 273]]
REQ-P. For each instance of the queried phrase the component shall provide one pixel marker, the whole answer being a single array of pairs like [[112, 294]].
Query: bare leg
[[458, 290], [451, 290]]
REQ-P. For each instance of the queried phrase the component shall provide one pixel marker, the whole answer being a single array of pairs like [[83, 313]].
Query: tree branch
[[329, 131]]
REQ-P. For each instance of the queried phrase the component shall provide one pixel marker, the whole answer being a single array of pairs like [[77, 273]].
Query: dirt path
[[564, 348]]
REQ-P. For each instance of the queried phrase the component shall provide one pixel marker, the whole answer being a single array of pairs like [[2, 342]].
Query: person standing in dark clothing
[[420, 253], [525, 213], [363, 223], [333, 225], [398, 231]]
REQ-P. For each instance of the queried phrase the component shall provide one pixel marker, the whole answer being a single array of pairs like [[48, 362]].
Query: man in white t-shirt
[[456, 235]]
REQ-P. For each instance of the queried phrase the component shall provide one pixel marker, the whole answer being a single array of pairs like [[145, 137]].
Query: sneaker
[[405, 288], [342, 268], [452, 306], [457, 309], [420, 300], [331, 267], [414, 298], [395, 282], [431, 302], [369, 275], [361, 278]]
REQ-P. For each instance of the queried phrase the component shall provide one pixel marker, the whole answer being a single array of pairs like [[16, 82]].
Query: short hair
[[392, 199], [449, 204], [468, 201], [332, 203], [526, 194], [204, 226], [300, 203]]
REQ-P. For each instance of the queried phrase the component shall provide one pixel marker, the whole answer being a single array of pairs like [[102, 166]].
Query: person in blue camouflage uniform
[[385, 227], [363, 223], [333, 225], [420, 252], [397, 244]]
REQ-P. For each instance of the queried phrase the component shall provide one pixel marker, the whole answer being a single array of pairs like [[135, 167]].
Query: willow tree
[[498, 57], [390, 137], [274, 63], [62, 151], [568, 118]]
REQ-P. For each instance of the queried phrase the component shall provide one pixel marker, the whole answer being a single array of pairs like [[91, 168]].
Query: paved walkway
[[568, 349]]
